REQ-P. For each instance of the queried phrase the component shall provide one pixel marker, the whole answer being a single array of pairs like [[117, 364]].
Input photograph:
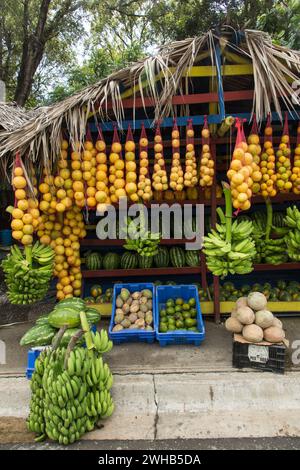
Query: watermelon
[[38, 335], [129, 260], [192, 258], [177, 257], [145, 262], [67, 336], [162, 258], [92, 315], [111, 261], [64, 317], [93, 261]]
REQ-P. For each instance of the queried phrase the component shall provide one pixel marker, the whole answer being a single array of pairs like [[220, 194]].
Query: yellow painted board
[[104, 309], [207, 308], [198, 71]]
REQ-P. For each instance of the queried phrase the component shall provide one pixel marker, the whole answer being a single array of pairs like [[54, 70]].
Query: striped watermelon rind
[[192, 258], [93, 261], [145, 262], [177, 257], [111, 261], [162, 258], [129, 260]]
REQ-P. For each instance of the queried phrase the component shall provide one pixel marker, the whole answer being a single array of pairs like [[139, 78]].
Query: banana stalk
[[225, 126], [269, 218], [228, 210], [87, 332]]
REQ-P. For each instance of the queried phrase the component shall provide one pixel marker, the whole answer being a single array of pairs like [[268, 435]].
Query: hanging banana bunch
[[230, 249]]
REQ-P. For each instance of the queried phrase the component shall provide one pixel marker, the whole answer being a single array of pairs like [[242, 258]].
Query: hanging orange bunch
[[116, 170], [190, 174], [176, 175], [267, 163], [255, 149], [25, 214], [130, 166], [102, 189], [159, 177], [78, 185], [283, 164], [144, 182], [89, 168], [240, 171], [296, 167], [206, 163]]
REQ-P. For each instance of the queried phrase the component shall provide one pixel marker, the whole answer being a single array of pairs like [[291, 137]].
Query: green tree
[[32, 33]]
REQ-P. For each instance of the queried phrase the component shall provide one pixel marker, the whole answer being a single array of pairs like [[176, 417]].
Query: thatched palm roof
[[13, 117], [275, 68]]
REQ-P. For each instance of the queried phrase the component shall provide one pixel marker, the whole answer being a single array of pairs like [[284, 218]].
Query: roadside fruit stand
[[155, 134], [123, 142]]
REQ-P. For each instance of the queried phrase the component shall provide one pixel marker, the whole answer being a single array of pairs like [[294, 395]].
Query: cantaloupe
[[274, 334], [257, 301], [253, 333], [241, 302], [233, 325], [264, 318], [245, 315], [277, 322], [234, 312]]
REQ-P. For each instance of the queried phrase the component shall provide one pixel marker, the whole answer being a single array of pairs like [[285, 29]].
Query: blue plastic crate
[[34, 353], [163, 293], [131, 336]]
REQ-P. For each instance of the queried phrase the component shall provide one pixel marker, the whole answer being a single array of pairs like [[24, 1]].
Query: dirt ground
[[14, 430]]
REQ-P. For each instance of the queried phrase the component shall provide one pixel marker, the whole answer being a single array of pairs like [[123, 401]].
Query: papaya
[[96, 290]]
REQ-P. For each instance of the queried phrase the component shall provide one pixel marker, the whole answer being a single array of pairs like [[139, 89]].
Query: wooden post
[[213, 223]]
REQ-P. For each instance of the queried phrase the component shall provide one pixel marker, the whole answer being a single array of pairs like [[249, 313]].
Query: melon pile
[[253, 321]]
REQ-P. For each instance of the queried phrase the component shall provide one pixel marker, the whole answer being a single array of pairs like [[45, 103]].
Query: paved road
[[276, 443]]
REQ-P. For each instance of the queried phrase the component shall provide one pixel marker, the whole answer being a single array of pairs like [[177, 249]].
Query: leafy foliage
[[51, 49]]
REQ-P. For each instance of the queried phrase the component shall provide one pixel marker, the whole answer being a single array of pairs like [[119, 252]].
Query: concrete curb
[[186, 406]]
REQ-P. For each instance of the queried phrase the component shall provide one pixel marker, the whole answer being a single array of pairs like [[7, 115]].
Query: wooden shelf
[[278, 267], [279, 198], [123, 273], [95, 242]]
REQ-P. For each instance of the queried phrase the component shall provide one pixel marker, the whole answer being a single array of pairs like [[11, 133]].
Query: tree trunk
[[33, 50]]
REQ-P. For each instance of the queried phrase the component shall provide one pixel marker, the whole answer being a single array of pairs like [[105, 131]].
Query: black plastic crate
[[256, 356]]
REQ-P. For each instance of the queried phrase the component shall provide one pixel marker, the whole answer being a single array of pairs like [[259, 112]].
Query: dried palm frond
[[274, 67], [157, 77]]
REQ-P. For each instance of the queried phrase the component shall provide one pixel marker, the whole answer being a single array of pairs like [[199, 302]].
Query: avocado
[[285, 297], [228, 286], [281, 285], [245, 289]]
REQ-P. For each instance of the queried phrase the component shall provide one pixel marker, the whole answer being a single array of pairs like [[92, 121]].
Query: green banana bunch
[[71, 391], [101, 341], [225, 257], [146, 246], [292, 218], [35, 420], [27, 278], [42, 254], [292, 239]]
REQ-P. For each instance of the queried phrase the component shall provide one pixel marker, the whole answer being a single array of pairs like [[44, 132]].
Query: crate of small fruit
[[132, 317], [177, 315]]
